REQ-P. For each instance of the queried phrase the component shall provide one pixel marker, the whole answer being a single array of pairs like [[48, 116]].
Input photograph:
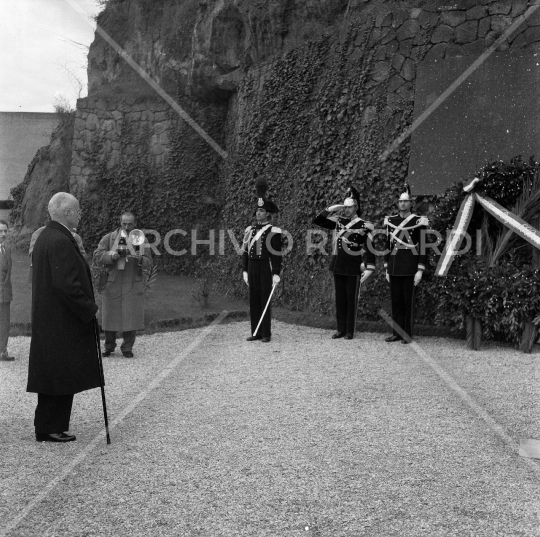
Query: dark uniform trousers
[[402, 296], [346, 288], [53, 413], [260, 287], [127, 343]]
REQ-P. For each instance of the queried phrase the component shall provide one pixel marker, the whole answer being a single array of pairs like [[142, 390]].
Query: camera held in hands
[[122, 247]]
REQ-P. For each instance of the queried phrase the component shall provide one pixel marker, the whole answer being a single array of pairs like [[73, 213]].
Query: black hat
[[406, 194], [261, 186], [352, 196]]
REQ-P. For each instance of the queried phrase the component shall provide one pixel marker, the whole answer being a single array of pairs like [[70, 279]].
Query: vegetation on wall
[[318, 124]]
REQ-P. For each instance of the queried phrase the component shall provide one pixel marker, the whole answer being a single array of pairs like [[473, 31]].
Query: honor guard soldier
[[352, 240], [261, 263], [405, 262]]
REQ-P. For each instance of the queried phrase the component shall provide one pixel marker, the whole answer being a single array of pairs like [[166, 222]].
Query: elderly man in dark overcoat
[[63, 350]]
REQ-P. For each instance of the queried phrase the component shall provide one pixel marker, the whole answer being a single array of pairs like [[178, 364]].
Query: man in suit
[[123, 296], [405, 262], [261, 263], [64, 347], [352, 240], [6, 293]]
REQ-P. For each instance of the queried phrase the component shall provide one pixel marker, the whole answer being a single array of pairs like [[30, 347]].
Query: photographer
[[123, 296]]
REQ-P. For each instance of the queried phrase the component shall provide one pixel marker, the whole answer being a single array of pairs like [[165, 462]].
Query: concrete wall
[[21, 135]]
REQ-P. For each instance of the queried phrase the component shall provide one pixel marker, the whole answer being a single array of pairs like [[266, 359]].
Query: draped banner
[[458, 232], [510, 220], [506, 217]]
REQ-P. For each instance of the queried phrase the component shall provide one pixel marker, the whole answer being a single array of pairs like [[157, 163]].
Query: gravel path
[[304, 436]]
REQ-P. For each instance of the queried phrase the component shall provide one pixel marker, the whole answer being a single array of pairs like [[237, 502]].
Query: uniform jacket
[[352, 241], [267, 246], [123, 296], [405, 244], [63, 352], [6, 292]]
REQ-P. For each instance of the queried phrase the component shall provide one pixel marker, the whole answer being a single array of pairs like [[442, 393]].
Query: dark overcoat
[[63, 351]]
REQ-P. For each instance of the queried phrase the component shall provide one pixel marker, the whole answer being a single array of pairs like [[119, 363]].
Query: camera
[[122, 247]]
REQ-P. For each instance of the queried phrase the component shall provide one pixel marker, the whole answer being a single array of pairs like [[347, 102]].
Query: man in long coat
[[123, 296], [63, 350]]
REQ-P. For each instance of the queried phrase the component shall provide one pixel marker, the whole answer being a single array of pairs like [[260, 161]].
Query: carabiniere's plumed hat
[[351, 197], [261, 187], [406, 194]]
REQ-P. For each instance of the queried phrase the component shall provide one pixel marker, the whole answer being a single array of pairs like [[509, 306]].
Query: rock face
[[47, 174], [310, 94]]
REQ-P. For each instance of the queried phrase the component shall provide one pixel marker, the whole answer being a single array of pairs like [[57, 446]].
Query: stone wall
[[103, 122]]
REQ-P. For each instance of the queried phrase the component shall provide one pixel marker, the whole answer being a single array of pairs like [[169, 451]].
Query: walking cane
[[265, 308], [101, 380]]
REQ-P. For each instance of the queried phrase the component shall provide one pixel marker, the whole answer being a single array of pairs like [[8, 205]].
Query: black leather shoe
[[349, 336], [128, 354], [106, 353], [55, 437], [253, 338], [266, 339], [406, 341], [391, 339], [337, 335], [6, 358]]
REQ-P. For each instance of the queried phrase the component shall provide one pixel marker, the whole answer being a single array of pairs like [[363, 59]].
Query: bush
[[504, 296]]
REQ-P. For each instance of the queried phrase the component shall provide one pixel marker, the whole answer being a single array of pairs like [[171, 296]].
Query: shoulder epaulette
[[386, 218], [423, 221], [369, 225], [248, 229], [275, 229]]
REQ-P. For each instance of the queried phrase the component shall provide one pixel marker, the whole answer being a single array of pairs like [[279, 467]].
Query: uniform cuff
[[370, 267], [421, 267]]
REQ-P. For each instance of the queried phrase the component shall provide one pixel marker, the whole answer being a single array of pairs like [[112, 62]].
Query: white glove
[[366, 276], [418, 277], [275, 279], [388, 277], [246, 278], [333, 208]]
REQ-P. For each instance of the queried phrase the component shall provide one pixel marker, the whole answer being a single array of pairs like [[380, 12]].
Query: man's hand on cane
[[275, 279]]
